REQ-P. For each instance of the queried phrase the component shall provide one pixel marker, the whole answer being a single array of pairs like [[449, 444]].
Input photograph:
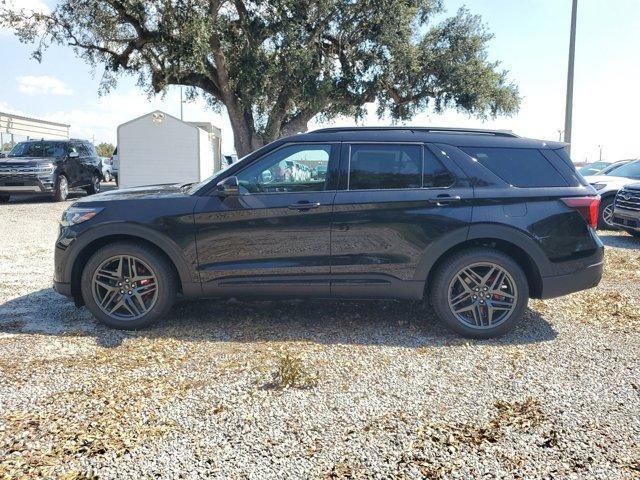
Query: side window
[[91, 151], [294, 168], [435, 174], [81, 149], [520, 167], [373, 166]]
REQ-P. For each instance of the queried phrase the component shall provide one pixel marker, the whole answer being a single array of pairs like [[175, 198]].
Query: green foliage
[[105, 149], [275, 64]]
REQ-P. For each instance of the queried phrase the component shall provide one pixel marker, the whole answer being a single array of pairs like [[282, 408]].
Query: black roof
[[452, 136]]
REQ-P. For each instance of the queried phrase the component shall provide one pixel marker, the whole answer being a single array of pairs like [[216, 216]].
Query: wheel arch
[[507, 240], [186, 282]]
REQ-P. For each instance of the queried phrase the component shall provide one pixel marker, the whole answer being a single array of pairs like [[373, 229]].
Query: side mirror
[[73, 154], [228, 187]]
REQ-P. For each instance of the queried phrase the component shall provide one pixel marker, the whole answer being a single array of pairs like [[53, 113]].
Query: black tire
[[61, 188], [160, 267], [605, 204], [447, 272], [115, 179], [5, 198], [635, 233], [95, 185]]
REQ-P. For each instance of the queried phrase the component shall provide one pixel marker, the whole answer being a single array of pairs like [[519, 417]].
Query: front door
[[274, 237]]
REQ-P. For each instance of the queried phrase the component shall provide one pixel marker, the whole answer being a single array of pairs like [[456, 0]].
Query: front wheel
[[479, 293], [605, 216], [107, 176], [128, 286], [61, 189]]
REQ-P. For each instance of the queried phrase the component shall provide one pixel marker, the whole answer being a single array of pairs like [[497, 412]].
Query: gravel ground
[[312, 389]]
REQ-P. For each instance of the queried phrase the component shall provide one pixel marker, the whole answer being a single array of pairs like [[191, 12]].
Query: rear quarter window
[[520, 167]]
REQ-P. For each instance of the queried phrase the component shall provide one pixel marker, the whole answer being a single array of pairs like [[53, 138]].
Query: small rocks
[[313, 389]]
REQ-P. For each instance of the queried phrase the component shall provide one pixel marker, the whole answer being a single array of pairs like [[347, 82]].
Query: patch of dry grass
[[291, 372]]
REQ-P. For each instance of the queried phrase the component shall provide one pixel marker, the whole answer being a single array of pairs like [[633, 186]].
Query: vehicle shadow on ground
[[617, 240], [402, 324], [42, 198]]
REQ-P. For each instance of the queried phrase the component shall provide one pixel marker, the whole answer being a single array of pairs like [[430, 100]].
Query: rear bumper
[[582, 279]]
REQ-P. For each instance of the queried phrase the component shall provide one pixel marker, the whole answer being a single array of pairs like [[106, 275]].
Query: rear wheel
[[95, 185], [5, 198], [128, 286], [107, 176], [479, 293], [61, 189], [605, 216]]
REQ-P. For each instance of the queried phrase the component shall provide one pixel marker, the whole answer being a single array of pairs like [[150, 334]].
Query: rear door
[[273, 238], [394, 203]]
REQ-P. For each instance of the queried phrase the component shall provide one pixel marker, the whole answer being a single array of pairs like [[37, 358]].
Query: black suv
[[475, 221], [51, 167]]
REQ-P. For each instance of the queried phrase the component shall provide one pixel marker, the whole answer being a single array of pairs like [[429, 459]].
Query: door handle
[[304, 206], [441, 200]]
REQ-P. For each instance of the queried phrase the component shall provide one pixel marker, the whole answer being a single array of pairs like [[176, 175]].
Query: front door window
[[293, 168]]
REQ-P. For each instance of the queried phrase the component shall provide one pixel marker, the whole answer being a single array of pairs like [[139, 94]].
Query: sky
[[531, 42]]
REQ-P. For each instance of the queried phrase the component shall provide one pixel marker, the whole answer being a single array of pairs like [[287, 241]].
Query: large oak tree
[[276, 64]]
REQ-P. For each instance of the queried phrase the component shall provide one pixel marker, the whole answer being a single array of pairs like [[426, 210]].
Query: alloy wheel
[[96, 184], [124, 287], [482, 295], [63, 185], [607, 214]]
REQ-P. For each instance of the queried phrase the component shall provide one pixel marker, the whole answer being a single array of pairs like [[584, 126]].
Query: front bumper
[[26, 183], [626, 219]]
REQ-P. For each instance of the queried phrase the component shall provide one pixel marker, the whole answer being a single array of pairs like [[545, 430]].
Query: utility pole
[[572, 53], [560, 134], [181, 102], [600, 147]]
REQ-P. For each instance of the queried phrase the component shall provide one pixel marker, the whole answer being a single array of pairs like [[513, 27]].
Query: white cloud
[[43, 85]]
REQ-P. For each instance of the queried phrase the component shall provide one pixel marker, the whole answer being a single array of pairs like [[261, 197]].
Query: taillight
[[588, 207]]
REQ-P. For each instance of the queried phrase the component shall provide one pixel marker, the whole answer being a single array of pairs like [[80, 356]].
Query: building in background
[[158, 148], [16, 128]]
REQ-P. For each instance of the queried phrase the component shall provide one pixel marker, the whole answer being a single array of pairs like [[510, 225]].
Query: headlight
[[46, 168], [598, 186], [76, 215]]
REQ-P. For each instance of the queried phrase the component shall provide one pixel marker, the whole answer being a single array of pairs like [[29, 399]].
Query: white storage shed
[[159, 148]]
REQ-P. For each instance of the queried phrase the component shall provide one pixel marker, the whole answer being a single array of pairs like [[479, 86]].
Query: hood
[[608, 179], [147, 192]]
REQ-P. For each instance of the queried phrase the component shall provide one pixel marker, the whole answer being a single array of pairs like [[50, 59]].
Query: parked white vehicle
[[608, 185]]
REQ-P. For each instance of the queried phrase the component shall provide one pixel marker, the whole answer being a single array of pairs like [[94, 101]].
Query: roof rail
[[476, 131]]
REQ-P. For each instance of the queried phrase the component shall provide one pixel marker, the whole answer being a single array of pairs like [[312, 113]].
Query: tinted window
[[435, 175], [294, 168], [521, 167], [38, 149], [630, 170], [385, 166]]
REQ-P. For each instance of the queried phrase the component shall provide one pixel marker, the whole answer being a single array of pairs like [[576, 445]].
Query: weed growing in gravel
[[291, 373]]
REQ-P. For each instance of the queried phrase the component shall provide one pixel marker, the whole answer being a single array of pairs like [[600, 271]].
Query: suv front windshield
[[38, 149], [629, 170]]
